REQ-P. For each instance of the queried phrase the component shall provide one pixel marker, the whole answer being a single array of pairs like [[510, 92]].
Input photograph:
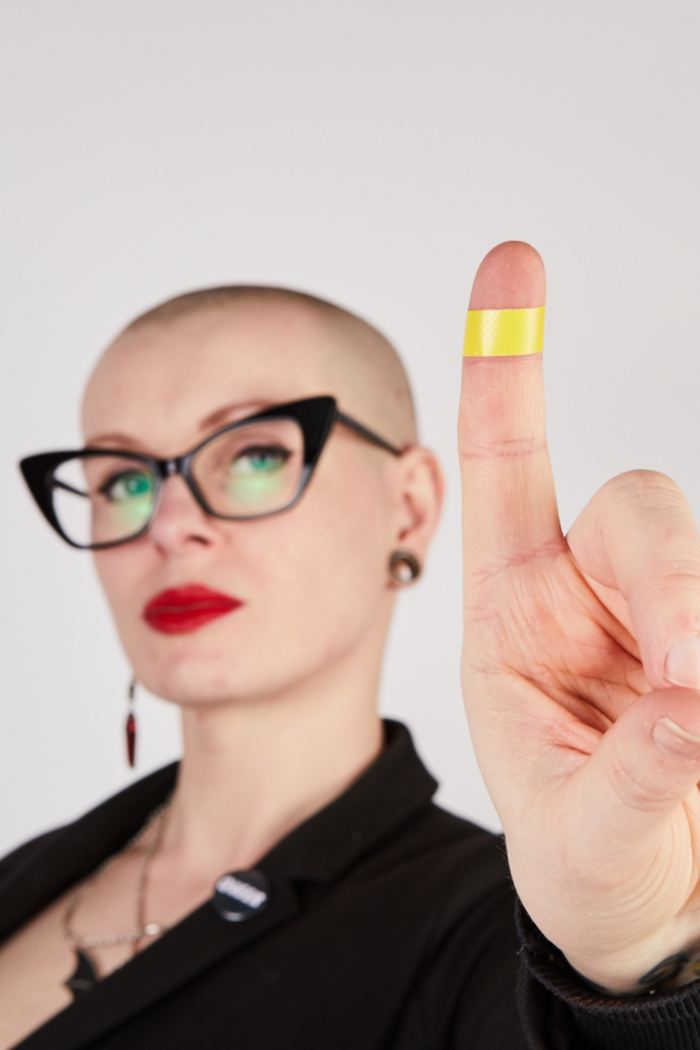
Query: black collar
[[386, 795]]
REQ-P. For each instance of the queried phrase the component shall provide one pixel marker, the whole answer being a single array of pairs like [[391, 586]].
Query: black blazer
[[389, 925]]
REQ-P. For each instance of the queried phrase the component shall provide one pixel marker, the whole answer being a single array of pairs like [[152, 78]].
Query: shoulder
[[436, 831], [447, 860], [44, 866], [24, 854]]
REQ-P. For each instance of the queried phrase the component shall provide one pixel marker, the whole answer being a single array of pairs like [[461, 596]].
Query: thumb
[[645, 766], [612, 887]]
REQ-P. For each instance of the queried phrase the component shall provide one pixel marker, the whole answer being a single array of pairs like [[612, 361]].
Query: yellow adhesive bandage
[[504, 333]]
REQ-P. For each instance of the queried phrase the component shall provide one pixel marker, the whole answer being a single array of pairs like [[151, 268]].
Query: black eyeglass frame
[[316, 417]]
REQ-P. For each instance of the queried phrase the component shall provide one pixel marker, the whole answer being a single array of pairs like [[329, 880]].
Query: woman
[[254, 497]]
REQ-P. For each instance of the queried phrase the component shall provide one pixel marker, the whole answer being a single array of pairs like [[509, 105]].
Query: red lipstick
[[180, 610]]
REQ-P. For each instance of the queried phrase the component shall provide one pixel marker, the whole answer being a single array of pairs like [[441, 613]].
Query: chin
[[195, 671], [186, 668], [192, 680], [196, 681]]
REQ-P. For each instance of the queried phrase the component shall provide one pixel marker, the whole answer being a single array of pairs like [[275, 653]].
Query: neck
[[252, 770]]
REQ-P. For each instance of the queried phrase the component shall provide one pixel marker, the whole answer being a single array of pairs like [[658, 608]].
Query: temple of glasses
[[253, 468]]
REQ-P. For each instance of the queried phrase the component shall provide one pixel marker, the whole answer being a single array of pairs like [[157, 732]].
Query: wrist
[[622, 976], [627, 963], [656, 969], [671, 972]]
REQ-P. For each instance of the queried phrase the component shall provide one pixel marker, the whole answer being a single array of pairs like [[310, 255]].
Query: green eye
[[254, 462], [127, 486], [257, 475]]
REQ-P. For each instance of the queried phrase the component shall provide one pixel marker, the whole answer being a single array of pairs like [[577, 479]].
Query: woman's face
[[312, 582]]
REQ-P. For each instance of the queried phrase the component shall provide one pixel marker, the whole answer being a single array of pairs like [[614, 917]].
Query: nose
[[180, 526]]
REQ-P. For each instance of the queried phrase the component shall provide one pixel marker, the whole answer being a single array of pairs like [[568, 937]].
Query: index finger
[[509, 504]]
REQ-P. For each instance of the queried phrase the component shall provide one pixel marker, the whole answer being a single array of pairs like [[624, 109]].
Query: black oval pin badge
[[241, 895]]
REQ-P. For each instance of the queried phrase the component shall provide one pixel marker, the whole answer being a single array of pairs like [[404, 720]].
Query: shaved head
[[314, 583], [361, 363]]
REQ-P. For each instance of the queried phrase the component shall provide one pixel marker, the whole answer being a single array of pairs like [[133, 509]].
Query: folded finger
[[629, 848], [638, 535]]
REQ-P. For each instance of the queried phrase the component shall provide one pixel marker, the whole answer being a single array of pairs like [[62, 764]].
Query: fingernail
[[674, 741], [683, 663]]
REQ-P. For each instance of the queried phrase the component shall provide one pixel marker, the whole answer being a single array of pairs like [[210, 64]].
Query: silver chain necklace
[[85, 976]]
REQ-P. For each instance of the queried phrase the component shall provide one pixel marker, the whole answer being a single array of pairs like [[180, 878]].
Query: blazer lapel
[[40, 871], [391, 791], [192, 946]]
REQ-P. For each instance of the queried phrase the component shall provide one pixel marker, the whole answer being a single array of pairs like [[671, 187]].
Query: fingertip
[[671, 719], [676, 741], [510, 277]]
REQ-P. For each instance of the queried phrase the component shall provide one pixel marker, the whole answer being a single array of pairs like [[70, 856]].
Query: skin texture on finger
[[638, 536], [509, 510], [510, 277], [629, 860], [509, 502], [511, 533]]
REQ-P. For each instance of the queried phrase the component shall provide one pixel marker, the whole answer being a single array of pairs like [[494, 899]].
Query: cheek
[[117, 572], [325, 571], [128, 579]]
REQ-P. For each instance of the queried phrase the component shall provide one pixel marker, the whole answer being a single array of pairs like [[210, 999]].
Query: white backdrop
[[370, 152]]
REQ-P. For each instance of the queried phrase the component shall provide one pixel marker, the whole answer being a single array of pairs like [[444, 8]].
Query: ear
[[419, 491]]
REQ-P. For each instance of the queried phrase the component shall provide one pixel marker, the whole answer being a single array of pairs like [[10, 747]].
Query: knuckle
[[648, 514], [647, 487], [639, 786], [669, 578], [502, 448]]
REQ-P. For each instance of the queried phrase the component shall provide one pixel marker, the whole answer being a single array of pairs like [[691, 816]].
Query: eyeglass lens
[[242, 473]]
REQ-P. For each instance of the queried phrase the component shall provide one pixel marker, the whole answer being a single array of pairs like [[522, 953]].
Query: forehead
[[164, 384]]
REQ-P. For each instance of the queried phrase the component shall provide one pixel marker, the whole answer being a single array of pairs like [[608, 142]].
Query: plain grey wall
[[370, 152]]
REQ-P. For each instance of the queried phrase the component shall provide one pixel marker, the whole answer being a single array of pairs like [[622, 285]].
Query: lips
[[181, 610]]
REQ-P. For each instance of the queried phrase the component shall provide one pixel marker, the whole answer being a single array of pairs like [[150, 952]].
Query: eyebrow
[[228, 414]]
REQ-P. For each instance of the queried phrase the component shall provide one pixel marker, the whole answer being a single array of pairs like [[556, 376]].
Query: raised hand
[[574, 648]]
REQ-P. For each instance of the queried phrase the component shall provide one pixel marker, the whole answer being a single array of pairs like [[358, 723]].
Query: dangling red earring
[[131, 726]]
